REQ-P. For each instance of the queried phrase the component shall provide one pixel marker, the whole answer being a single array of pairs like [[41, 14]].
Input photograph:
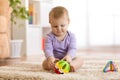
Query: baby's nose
[[59, 28]]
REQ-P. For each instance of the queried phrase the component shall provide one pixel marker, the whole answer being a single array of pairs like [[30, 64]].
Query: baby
[[60, 43]]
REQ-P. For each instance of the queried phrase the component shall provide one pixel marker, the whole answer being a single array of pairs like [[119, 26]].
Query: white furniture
[[40, 16], [16, 48], [31, 34]]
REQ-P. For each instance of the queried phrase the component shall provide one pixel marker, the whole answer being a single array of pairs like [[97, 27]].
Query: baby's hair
[[58, 12]]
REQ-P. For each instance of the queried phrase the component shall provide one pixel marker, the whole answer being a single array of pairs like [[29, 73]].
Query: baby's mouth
[[59, 32]]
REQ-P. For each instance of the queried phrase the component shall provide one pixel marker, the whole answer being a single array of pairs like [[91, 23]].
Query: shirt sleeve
[[48, 47], [72, 47]]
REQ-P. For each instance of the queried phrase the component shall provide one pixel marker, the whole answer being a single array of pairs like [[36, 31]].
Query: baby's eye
[[63, 25], [55, 26]]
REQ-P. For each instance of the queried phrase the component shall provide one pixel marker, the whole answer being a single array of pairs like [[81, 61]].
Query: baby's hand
[[68, 58], [51, 61]]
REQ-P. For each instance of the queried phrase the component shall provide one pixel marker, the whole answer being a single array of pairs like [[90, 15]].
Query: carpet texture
[[91, 70]]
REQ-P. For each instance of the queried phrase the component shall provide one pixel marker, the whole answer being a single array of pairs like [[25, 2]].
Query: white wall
[[104, 22], [94, 22]]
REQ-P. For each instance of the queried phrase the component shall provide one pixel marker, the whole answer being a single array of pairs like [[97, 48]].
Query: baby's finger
[[64, 59], [56, 60], [69, 60]]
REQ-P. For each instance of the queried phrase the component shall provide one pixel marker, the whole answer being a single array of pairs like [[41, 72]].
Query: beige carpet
[[91, 70]]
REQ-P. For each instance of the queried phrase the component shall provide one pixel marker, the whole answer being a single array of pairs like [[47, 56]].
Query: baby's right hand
[[51, 61]]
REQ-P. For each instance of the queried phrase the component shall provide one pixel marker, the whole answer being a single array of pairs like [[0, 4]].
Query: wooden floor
[[9, 61], [37, 57]]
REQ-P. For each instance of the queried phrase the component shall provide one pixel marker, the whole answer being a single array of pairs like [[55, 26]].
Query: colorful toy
[[62, 67], [110, 67]]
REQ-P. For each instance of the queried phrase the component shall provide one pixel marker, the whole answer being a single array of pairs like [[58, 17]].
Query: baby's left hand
[[68, 58]]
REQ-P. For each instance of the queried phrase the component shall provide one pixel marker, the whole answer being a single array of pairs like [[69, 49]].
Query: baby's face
[[59, 26]]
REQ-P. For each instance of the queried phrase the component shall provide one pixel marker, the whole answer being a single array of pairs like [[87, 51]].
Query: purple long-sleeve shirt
[[58, 49]]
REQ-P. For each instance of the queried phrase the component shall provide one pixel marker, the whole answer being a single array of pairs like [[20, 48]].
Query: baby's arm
[[48, 49], [71, 49], [51, 61], [68, 58]]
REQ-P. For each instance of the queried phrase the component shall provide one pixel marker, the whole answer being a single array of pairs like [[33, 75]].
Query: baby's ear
[[49, 21], [68, 21]]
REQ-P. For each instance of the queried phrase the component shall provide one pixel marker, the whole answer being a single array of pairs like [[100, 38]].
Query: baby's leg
[[45, 65], [76, 64]]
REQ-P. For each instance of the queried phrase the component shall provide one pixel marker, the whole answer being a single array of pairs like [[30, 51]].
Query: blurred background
[[96, 24]]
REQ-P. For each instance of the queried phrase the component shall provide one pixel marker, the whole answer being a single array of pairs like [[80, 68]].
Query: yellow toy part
[[62, 67]]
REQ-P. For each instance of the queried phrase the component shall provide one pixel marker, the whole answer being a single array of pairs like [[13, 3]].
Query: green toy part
[[63, 66]]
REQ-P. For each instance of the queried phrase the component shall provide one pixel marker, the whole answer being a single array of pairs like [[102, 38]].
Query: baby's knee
[[45, 65]]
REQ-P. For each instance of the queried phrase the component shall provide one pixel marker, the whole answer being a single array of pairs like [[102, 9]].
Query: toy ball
[[62, 67]]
